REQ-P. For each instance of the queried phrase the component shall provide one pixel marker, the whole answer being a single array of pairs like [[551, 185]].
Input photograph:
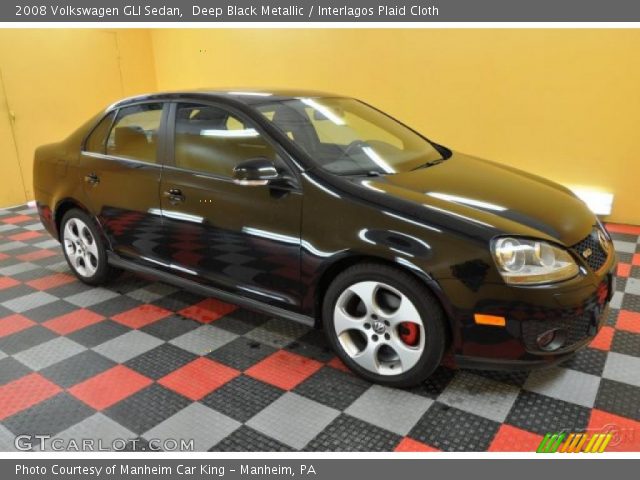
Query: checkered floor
[[143, 361]]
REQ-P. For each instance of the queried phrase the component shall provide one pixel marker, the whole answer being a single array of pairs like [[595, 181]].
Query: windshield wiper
[[428, 164]]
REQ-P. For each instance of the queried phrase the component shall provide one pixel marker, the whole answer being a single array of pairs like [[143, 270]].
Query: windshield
[[347, 137]]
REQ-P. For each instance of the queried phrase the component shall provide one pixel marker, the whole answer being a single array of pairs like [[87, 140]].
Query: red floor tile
[[603, 339], [18, 237], [110, 387], [284, 369], [629, 321], [140, 316], [626, 431], [8, 282], [198, 378], [410, 445], [512, 439], [37, 255], [24, 393], [208, 310], [335, 362], [3, 256], [624, 270], [51, 281], [621, 228], [70, 322], [17, 219], [13, 324], [635, 260]]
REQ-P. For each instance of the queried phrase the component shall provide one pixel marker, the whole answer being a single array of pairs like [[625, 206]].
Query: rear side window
[[96, 141], [135, 132], [212, 140]]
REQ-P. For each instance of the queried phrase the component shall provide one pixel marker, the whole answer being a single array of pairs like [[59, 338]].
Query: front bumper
[[578, 309]]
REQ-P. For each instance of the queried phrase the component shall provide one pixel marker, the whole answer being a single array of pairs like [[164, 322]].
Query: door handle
[[92, 179], [174, 195]]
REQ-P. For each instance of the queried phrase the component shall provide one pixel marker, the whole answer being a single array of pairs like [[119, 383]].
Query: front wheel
[[84, 249], [384, 324]]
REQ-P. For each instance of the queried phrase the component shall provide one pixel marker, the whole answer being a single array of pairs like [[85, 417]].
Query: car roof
[[247, 96]]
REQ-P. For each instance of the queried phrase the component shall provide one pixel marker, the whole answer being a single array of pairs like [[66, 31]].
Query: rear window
[[98, 138]]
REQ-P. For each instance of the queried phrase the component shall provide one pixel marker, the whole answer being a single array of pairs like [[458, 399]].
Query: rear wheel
[[84, 249], [384, 324]]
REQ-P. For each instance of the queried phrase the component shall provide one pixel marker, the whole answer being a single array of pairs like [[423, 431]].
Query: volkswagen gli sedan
[[324, 210]]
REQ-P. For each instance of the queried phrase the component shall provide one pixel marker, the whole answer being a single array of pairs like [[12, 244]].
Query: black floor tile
[[160, 361], [619, 398], [98, 333], [241, 353], [147, 408], [246, 439], [453, 430], [49, 417], [77, 369], [541, 414], [349, 434], [242, 398], [333, 387]]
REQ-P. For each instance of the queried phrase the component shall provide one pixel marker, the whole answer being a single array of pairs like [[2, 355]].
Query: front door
[[241, 238], [121, 168]]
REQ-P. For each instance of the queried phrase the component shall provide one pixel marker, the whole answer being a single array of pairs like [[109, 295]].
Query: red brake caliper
[[409, 333]]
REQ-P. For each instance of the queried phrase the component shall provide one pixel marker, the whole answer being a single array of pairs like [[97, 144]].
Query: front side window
[[135, 132], [97, 140], [212, 140], [347, 137]]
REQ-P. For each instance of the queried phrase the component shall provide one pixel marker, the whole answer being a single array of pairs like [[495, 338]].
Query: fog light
[[552, 339]]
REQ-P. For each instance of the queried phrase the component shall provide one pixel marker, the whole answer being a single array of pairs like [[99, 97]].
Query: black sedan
[[324, 210]]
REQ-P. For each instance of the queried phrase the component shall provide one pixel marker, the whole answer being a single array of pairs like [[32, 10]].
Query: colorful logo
[[574, 442]]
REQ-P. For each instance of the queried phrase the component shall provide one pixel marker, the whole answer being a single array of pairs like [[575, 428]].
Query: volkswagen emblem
[[604, 243], [379, 327]]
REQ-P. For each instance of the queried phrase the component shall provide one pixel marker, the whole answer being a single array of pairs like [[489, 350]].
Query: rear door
[[121, 165], [244, 239]]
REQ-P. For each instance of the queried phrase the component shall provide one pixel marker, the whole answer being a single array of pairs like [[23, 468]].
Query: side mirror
[[255, 171]]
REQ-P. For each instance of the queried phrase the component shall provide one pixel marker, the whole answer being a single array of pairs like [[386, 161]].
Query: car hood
[[498, 199]]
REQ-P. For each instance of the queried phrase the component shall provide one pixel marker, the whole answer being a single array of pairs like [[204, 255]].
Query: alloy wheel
[[379, 328], [80, 247]]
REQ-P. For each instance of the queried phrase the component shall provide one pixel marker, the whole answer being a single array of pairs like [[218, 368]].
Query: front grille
[[598, 256]]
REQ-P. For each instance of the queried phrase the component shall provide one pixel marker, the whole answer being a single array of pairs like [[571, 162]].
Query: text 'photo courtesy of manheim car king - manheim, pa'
[[352, 222]]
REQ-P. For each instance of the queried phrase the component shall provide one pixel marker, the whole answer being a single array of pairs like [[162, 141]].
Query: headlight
[[531, 262]]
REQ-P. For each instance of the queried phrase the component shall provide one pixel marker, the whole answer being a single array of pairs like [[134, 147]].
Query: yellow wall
[[561, 103], [12, 186], [54, 80]]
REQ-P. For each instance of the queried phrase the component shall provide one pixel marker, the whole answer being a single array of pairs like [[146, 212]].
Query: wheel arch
[[341, 264], [62, 207], [68, 203]]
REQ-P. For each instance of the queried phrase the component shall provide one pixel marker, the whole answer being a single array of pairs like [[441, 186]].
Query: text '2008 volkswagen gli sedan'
[[324, 210]]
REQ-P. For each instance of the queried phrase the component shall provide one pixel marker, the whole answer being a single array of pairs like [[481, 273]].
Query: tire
[[380, 338], [84, 248]]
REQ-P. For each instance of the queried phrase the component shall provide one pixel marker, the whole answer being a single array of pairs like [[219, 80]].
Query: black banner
[[324, 469], [320, 11]]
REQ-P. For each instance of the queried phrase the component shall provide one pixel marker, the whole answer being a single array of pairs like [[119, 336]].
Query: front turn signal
[[493, 320]]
